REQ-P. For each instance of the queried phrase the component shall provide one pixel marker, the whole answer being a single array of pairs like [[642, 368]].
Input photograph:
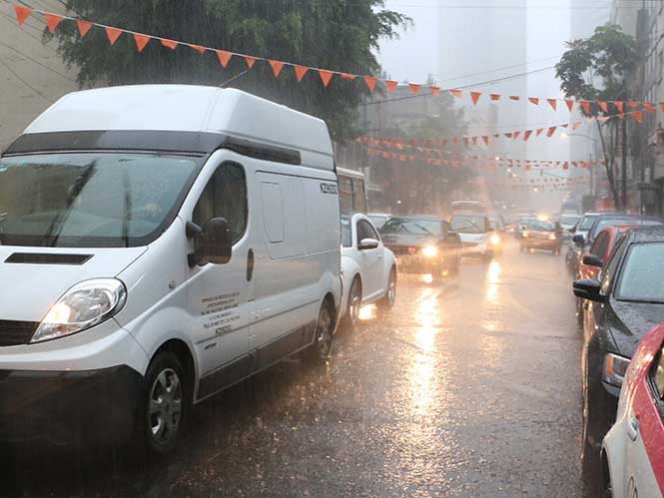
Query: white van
[[157, 245]]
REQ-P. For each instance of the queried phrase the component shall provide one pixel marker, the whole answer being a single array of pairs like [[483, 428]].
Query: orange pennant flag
[[52, 21], [83, 27], [527, 134], [435, 90], [553, 103], [113, 34], [250, 61], [414, 88], [348, 76], [277, 66], [475, 97], [371, 83], [198, 48], [638, 116], [570, 104], [565, 125], [391, 85], [585, 104], [495, 97], [22, 14], [633, 105], [301, 71], [486, 140], [551, 131], [539, 131], [516, 134], [508, 135], [603, 105], [515, 97], [325, 76], [141, 41], [466, 141], [533, 100], [224, 57], [649, 107], [169, 43], [620, 105], [457, 93]]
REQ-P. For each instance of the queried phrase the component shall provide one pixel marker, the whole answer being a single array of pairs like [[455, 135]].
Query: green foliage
[[331, 34], [597, 68]]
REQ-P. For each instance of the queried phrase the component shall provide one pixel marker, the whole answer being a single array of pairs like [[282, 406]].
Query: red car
[[633, 450], [591, 262]]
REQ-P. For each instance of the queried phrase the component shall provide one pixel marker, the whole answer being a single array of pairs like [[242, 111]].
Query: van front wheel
[[164, 404]]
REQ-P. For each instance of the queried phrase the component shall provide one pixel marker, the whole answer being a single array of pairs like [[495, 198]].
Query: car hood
[[35, 278], [394, 239], [631, 321]]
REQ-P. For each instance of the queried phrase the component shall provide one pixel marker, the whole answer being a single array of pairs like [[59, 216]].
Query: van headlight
[[83, 306]]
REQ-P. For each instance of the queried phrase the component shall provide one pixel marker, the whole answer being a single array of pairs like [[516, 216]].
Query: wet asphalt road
[[470, 389]]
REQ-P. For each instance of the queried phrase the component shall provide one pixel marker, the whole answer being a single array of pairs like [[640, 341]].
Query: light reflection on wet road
[[469, 389]]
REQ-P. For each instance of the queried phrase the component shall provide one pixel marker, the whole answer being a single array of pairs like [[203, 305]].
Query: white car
[[369, 269], [477, 236], [379, 219], [632, 452]]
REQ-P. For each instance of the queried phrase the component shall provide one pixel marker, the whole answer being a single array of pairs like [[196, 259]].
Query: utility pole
[[624, 166]]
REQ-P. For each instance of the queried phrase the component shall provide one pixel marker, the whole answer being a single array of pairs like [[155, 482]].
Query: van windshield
[[89, 199]]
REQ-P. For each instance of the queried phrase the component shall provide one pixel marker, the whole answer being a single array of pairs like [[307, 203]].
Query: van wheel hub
[[165, 406]]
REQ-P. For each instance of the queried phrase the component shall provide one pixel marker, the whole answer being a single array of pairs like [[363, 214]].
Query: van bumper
[[69, 408]]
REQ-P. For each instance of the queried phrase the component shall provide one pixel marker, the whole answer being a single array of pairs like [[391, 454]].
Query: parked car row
[[620, 289]]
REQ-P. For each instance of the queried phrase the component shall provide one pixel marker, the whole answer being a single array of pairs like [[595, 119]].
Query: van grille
[[13, 333]]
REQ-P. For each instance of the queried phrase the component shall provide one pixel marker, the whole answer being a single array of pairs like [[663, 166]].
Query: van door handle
[[633, 428], [250, 265]]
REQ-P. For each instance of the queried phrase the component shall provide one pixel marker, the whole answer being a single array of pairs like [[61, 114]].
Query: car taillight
[[412, 250]]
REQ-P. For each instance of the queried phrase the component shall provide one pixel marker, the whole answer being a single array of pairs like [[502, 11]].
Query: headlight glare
[[615, 368], [552, 236], [430, 251], [495, 240], [81, 307], [525, 235]]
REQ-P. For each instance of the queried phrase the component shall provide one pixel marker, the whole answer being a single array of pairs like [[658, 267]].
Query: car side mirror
[[367, 244], [588, 289], [213, 241], [592, 260], [579, 240]]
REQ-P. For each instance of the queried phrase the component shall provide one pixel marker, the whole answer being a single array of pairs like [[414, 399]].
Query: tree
[[331, 34], [598, 69]]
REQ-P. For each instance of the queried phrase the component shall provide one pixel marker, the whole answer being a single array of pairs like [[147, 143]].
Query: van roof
[[189, 108]]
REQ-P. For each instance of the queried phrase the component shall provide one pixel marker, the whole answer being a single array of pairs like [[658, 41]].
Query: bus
[[352, 191]]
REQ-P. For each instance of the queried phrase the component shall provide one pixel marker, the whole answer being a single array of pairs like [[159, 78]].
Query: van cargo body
[[159, 243]]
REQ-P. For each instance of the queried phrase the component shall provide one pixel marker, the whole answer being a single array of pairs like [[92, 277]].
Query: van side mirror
[[213, 241], [592, 260], [588, 289], [366, 244], [579, 240]]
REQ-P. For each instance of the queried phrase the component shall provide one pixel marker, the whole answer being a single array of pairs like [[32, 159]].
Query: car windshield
[[569, 220], [613, 222], [467, 223], [346, 233], [586, 222], [412, 226], [539, 225], [89, 200], [642, 278]]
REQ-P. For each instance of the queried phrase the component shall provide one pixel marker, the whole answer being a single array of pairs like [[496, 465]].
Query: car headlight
[[430, 252], [525, 235], [552, 236], [495, 240], [615, 368], [83, 306]]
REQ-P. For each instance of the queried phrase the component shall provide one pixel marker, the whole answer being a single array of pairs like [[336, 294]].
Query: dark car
[[541, 234], [620, 308], [423, 244]]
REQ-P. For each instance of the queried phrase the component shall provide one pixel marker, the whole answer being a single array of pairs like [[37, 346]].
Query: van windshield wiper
[[80, 182]]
